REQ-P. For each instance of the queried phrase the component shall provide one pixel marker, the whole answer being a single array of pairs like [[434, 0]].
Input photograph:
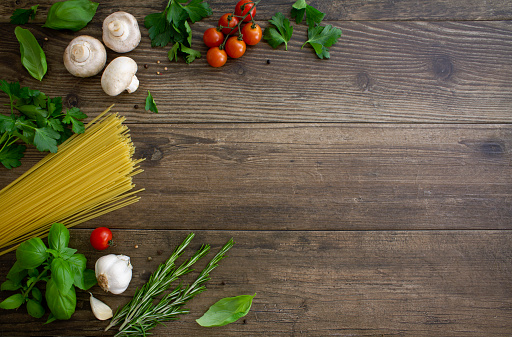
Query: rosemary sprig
[[141, 314]]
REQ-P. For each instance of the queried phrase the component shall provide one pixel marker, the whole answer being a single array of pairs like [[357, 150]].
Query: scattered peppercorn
[[136, 106], [146, 66], [268, 61], [150, 258]]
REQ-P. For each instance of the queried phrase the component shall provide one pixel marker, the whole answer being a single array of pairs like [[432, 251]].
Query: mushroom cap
[[119, 75], [129, 30], [93, 63]]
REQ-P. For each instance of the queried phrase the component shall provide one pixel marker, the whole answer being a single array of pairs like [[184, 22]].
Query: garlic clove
[[100, 309]]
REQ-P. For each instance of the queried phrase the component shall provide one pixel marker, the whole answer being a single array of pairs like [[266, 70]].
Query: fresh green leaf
[[55, 124], [321, 38], [77, 263], [31, 253], [16, 273], [32, 55], [21, 16], [159, 29], [58, 237], [176, 14], [61, 305], [36, 294], [10, 285], [55, 253], [150, 103], [197, 10], [33, 112], [45, 139], [172, 54], [86, 280], [35, 309], [62, 275], [226, 310], [280, 32], [12, 302], [73, 116], [51, 318], [34, 272], [67, 253], [313, 15], [70, 14], [298, 10], [10, 155], [7, 123], [190, 54]]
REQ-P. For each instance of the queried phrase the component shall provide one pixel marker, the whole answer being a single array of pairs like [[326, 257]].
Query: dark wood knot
[[72, 100], [493, 148], [443, 67], [363, 81]]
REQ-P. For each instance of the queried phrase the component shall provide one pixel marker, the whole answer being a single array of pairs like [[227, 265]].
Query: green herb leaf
[[21, 16], [10, 155], [67, 253], [62, 275], [190, 54], [150, 103], [32, 55], [226, 310], [16, 273], [73, 116], [71, 14], [10, 286], [35, 309], [61, 305], [197, 10], [36, 294], [321, 38], [12, 302], [45, 139], [280, 33], [159, 29], [51, 318], [58, 237], [86, 280], [31, 253], [298, 10], [313, 15]]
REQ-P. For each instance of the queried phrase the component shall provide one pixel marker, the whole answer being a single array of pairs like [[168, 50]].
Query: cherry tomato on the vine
[[101, 238], [252, 35], [213, 37], [235, 48], [248, 6], [228, 20], [216, 57]]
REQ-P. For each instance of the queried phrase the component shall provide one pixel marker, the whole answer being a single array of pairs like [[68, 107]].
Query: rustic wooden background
[[368, 194]]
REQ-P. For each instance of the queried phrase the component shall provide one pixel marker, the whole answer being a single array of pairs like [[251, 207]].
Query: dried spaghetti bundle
[[90, 175]]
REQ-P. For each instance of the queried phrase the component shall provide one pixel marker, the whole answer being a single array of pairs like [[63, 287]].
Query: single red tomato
[[101, 238], [216, 57], [228, 20], [213, 37], [235, 48], [252, 33], [245, 6]]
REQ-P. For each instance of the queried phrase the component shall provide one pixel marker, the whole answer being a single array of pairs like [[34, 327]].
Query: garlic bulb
[[100, 309], [113, 272]]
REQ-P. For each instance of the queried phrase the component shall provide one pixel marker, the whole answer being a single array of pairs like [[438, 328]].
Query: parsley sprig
[[34, 119], [172, 26]]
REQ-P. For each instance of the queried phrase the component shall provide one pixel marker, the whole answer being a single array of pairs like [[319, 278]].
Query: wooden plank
[[436, 72], [314, 283], [336, 10], [317, 177]]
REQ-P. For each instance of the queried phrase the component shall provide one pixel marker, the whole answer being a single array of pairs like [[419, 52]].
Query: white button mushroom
[[85, 56], [121, 32], [119, 76]]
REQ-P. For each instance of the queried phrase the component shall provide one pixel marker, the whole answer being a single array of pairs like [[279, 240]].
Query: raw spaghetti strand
[[90, 175]]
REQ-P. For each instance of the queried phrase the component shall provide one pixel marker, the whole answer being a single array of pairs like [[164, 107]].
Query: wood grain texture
[[436, 72], [317, 177], [318, 283], [336, 10]]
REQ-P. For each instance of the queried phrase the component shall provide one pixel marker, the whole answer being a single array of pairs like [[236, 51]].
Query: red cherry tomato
[[216, 57], [101, 238], [212, 37], [252, 35], [235, 48], [248, 7], [228, 20]]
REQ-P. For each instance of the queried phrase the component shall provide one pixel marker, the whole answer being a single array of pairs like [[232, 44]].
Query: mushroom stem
[[80, 52], [117, 28], [134, 84]]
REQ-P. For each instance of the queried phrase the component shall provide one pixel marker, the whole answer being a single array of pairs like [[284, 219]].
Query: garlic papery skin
[[114, 273], [100, 310]]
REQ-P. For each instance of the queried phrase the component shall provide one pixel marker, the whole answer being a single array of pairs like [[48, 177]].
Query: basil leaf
[[10, 285], [62, 275], [71, 14], [150, 103], [58, 237], [31, 254], [67, 252], [226, 310], [77, 263], [36, 294], [32, 55], [35, 309], [17, 273], [61, 305], [12, 302], [86, 280], [51, 318]]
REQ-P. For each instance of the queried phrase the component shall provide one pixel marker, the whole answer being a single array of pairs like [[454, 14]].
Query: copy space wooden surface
[[368, 194]]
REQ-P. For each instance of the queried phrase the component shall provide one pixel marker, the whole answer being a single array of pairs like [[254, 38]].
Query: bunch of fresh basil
[[59, 266]]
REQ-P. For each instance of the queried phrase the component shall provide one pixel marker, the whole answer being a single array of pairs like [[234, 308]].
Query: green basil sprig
[[32, 55], [226, 310], [57, 265], [71, 14]]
